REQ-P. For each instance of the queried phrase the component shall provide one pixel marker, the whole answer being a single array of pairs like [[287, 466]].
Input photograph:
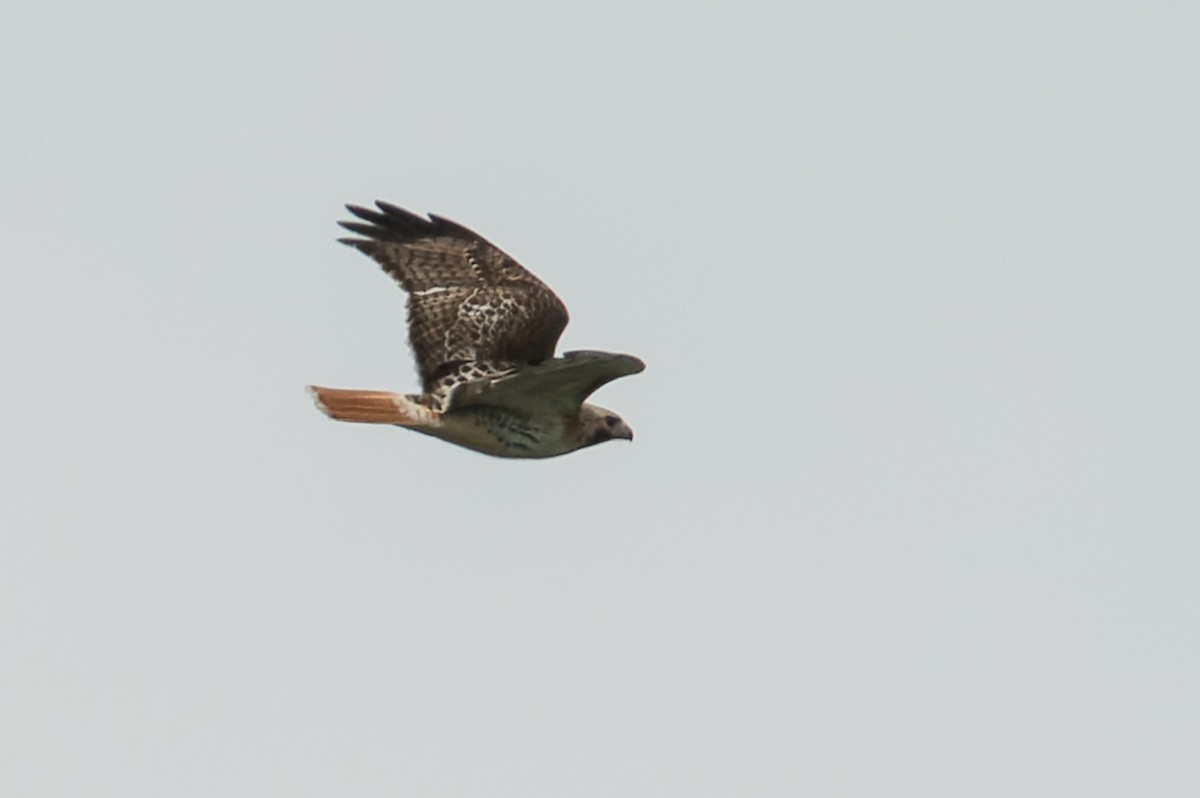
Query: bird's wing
[[467, 300], [555, 386]]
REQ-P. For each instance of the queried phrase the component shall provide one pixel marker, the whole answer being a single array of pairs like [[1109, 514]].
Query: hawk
[[483, 331]]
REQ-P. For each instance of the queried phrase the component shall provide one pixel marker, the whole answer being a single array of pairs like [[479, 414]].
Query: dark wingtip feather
[[368, 214], [388, 223], [368, 230], [393, 223], [395, 212]]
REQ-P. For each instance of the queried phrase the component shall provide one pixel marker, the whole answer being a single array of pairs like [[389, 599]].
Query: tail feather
[[370, 407]]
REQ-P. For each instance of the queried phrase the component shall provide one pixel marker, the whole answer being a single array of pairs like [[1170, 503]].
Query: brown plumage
[[483, 330], [468, 302]]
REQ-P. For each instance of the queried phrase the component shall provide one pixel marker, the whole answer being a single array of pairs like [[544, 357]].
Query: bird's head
[[600, 425]]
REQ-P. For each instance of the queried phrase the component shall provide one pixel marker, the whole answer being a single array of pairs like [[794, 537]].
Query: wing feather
[[560, 385], [468, 301]]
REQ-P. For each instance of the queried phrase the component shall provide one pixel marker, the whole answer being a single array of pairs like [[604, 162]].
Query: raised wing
[[467, 300], [554, 386]]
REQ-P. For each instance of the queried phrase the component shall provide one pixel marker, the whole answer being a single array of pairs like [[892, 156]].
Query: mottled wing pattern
[[455, 375], [555, 386], [472, 310]]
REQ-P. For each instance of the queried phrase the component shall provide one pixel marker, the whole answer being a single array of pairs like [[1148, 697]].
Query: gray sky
[[912, 508]]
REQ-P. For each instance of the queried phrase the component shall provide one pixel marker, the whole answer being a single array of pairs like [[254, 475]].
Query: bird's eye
[[610, 420]]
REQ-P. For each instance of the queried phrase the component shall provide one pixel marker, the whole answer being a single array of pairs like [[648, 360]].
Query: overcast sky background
[[912, 509]]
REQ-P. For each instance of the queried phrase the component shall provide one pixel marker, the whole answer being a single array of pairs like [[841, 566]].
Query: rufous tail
[[370, 407]]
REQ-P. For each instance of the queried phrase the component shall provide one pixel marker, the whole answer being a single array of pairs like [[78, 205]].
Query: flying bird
[[483, 331]]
